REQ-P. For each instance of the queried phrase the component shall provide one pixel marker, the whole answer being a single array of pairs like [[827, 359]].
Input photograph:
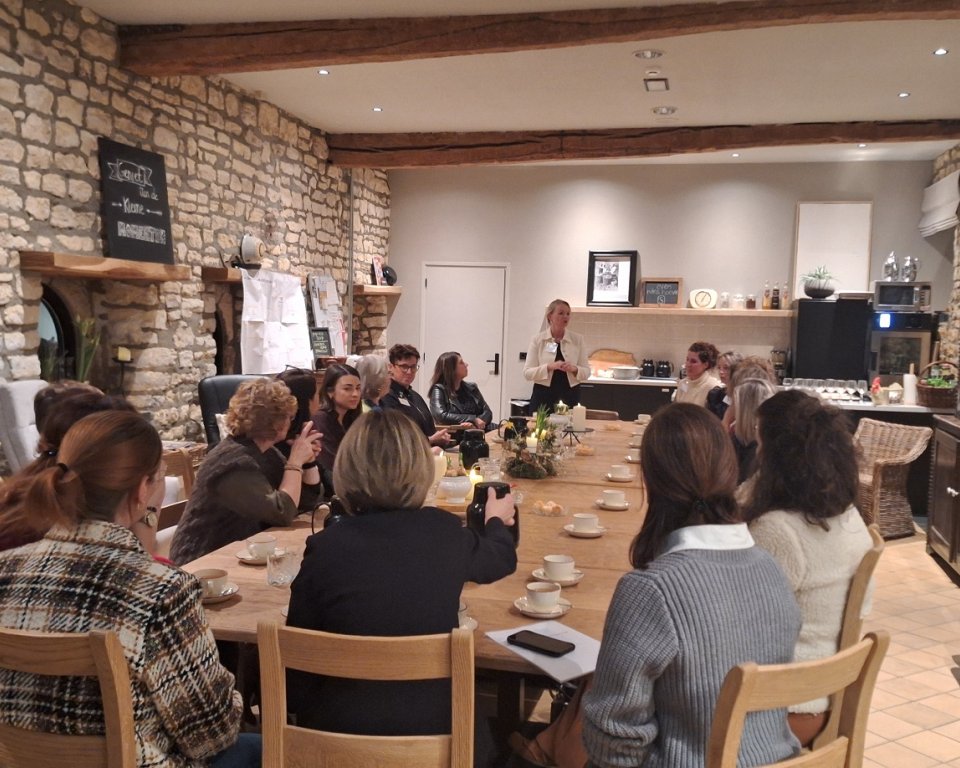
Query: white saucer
[[469, 623], [247, 559], [613, 507], [228, 591], [618, 479], [629, 460], [594, 534], [562, 607], [540, 575]]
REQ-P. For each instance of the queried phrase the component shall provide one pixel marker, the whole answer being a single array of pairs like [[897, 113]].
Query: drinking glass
[[851, 386], [863, 389], [818, 385], [283, 566], [830, 388], [788, 383]]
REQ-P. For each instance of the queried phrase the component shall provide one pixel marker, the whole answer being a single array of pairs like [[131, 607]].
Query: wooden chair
[[602, 415], [424, 657], [750, 688], [179, 463], [94, 654], [888, 450]]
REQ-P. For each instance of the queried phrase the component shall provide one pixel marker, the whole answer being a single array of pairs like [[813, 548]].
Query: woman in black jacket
[[454, 400]]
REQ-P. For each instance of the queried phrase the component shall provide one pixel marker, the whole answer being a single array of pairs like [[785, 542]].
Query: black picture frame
[[612, 278], [320, 342]]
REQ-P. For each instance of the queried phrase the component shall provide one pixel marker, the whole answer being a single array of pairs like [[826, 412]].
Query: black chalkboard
[[320, 342], [136, 214], [661, 291]]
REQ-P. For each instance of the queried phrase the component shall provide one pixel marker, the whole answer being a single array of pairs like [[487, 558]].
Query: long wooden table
[[603, 560]]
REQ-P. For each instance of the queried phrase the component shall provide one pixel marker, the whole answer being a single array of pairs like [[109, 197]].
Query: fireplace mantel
[[100, 267]]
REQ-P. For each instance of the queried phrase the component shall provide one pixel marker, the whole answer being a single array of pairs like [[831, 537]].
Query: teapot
[[647, 368], [664, 369], [473, 447]]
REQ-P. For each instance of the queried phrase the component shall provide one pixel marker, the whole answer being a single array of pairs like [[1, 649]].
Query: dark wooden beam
[[414, 150], [209, 49]]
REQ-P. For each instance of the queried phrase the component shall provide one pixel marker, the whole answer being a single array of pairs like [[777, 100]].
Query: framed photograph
[[376, 271], [612, 278], [665, 292]]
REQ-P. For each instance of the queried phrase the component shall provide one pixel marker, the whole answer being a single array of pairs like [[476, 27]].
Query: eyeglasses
[[407, 368]]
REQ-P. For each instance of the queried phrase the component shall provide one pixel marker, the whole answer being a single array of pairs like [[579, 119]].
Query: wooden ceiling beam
[[210, 49], [417, 150]]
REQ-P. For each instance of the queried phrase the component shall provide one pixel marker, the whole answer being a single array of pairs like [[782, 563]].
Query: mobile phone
[[534, 641]]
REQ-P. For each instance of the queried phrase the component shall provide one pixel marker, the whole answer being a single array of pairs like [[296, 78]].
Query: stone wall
[[235, 165], [946, 164]]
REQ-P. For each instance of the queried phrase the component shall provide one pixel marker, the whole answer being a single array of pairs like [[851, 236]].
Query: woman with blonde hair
[[90, 572], [747, 398], [245, 484], [556, 360], [391, 567]]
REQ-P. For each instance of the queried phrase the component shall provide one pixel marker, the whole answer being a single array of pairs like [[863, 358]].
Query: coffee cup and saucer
[[558, 569], [259, 547], [620, 473], [614, 500], [633, 457], [585, 526], [214, 585], [542, 601]]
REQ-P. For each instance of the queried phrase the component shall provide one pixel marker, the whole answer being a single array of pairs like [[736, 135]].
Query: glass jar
[[751, 301], [739, 302]]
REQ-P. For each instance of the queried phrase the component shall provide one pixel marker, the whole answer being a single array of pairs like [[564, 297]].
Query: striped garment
[[98, 576]]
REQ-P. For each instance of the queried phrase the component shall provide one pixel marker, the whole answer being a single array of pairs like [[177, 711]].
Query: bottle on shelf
[[767, 296], [785, 295], [775, 296]]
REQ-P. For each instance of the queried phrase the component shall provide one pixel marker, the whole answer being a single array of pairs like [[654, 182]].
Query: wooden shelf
[[688, 312], [377, 290], [221, 275], [100, 267]]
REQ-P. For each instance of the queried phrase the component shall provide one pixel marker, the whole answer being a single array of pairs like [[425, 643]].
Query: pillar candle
[[579, 415], [532, 444]]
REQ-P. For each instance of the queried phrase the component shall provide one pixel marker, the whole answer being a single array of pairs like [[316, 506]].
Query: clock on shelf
[[703, 298]]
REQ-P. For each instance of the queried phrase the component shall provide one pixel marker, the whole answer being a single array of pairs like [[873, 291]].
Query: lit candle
[[579, 416], [532, 444], [475, 476], [123, 354]]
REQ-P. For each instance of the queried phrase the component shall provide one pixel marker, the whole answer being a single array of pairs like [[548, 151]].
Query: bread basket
[[936, 397]]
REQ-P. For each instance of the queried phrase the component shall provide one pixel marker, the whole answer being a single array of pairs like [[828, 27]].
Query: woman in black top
[[339, 408], [454, 400]]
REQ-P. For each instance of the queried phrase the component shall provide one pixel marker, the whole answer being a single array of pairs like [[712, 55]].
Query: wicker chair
[[888, 450]]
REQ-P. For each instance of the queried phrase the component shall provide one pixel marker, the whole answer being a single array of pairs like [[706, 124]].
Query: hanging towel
[[939, 208]]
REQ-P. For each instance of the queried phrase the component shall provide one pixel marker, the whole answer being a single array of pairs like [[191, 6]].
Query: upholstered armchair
[[215, 393]]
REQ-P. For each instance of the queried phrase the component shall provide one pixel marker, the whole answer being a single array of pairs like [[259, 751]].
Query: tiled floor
[[915, 718]]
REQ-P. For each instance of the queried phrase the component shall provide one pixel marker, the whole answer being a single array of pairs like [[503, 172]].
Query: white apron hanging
[[274, 332]]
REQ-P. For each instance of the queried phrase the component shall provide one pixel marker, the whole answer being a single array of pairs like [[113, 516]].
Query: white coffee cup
[[260, 545], [614, 498], [585, 522], [559, 567], [543, 595], [619, 470], [633, 455], [212, 581]]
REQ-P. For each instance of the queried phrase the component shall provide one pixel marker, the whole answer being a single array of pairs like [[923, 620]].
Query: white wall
[[727, 227]]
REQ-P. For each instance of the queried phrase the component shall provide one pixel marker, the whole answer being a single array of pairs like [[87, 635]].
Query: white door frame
[[505, 265]]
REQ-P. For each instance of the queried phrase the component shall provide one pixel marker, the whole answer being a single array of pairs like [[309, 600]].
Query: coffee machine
[[780, 359]]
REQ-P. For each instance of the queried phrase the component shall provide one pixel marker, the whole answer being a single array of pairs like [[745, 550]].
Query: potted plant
[[818, 284]]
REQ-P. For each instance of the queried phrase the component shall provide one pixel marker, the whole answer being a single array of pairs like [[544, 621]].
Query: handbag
[[560, 743]]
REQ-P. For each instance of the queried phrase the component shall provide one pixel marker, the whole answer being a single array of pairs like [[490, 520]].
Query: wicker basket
[[936, 397]]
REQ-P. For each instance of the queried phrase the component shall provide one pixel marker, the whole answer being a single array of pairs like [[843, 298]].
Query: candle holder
[[124, 364]]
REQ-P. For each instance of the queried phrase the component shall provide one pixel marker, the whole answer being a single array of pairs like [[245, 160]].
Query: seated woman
[[339, 408], [90, 572], [244, 484], [392, 567], [374, 381], [702, 599], [801, 509], [701, 359], [453, 400], [718, 398], [747, 397]]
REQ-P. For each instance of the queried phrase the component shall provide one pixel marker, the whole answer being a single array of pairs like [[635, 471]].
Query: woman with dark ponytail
[[90, 571], [702, 599]]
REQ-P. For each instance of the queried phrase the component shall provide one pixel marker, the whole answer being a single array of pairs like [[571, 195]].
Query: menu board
[[661, 292], [136, 214], [320, 341]]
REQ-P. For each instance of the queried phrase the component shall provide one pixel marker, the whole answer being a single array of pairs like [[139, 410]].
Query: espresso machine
[[780, 359]]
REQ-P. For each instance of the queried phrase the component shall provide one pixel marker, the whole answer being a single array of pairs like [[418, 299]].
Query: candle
[[475, 477], [123, 354], [579, 414], [532, 444]]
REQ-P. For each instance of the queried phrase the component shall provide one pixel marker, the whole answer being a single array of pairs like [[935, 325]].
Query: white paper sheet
[[581, 661]]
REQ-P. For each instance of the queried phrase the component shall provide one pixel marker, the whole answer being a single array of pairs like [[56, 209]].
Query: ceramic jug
[[477, 511], [647, 368], [473, 447], [664, 369]]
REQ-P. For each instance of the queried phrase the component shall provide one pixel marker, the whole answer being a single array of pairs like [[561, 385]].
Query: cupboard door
[[942, 529]]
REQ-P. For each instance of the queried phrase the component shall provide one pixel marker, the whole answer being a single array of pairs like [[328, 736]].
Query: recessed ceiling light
[[941, 52], [862, 146], [735, 154], [903, 94], [378, 109], [664, 110], [648, 53], [323, 71], [653, 72]]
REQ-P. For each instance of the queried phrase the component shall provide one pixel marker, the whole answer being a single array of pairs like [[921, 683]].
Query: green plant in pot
[[818, 283]]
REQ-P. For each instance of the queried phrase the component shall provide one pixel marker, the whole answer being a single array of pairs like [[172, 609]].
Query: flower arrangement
[[537, 455]]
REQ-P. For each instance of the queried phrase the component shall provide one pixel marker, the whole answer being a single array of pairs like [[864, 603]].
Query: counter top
[[643, 381], [847, 405]]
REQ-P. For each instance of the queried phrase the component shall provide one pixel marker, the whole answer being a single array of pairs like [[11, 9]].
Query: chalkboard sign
[[320, 342], [136, 214], [661, 292]]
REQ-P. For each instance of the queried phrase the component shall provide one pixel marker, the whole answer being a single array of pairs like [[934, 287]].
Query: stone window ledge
[[99, 267]]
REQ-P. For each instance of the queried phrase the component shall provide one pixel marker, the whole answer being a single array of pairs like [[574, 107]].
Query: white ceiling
[[812, 73]]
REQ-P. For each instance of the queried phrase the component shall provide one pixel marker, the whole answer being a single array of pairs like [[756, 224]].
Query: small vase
[[455, 489], [818, 289]]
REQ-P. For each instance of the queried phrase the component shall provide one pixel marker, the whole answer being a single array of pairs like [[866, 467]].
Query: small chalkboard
[[320, 342], [661, 292]]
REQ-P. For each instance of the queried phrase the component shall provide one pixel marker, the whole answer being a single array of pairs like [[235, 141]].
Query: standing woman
[[556, 361], [339, 408], [90, 572], [453, 400], [703, 598], [802, 511], [700, 362]]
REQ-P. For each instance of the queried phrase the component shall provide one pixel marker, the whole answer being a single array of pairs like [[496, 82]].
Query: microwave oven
[[901, 297]]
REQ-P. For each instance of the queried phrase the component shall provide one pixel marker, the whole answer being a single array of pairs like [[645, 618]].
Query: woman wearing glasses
[[404, 364]]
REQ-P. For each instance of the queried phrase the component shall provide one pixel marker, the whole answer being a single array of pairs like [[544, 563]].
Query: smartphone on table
[[534, 641]]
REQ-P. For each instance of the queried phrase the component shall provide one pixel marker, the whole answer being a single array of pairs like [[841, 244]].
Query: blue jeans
[[245, 753]]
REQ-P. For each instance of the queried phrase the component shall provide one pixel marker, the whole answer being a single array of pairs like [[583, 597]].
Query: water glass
[[283, 566], [788, 383]]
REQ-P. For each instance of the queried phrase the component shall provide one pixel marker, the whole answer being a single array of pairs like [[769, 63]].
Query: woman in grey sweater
[[702, 599]]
